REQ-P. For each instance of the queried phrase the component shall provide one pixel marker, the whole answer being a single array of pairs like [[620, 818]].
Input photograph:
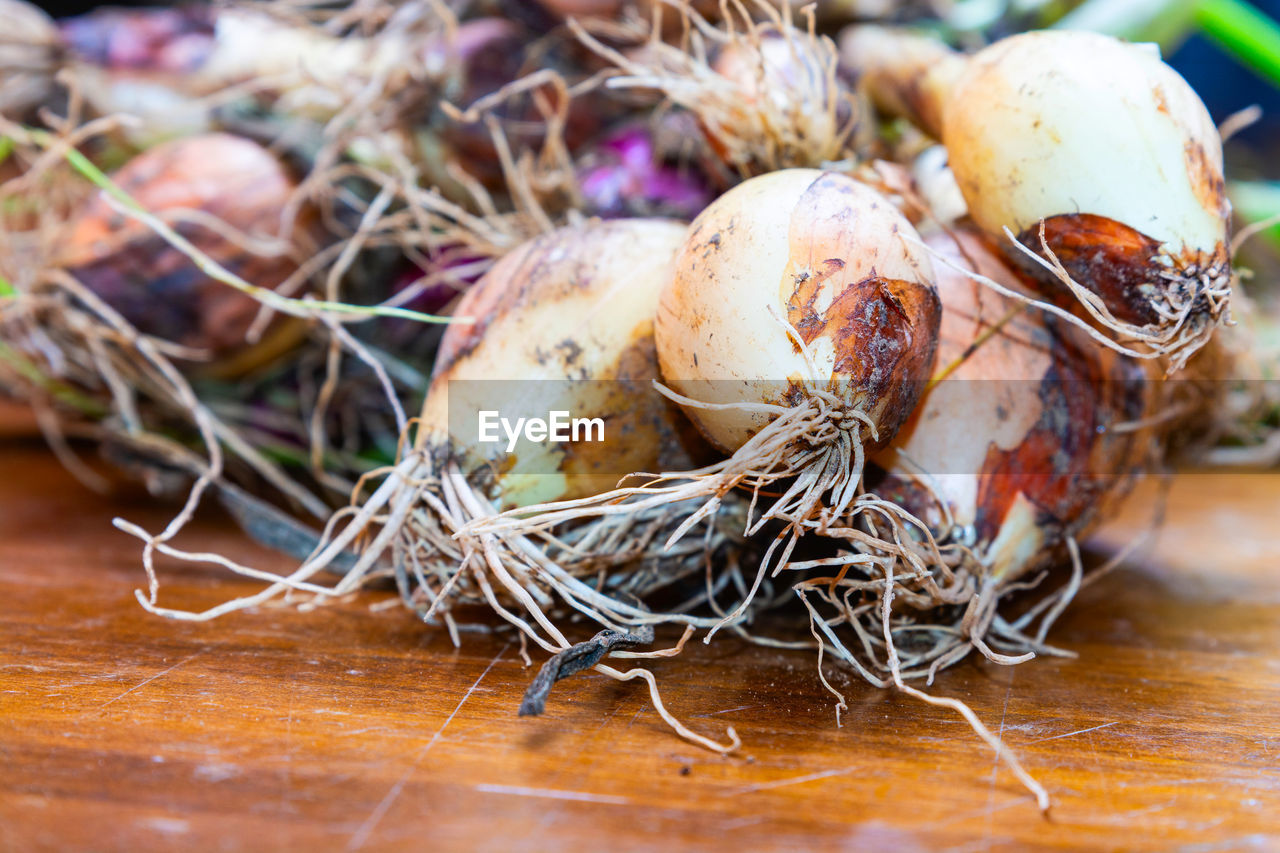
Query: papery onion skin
[[1019, 443], [574, 308], [153, 285], [815, 250]]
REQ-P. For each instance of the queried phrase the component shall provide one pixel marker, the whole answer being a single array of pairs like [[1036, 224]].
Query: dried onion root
[[568, 315], [766, 95], [1097, 160]]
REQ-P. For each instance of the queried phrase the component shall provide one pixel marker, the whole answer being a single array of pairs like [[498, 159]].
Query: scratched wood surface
[[346, 728]]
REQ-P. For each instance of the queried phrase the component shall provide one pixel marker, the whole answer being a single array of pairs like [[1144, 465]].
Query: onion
[[564, 321], [567, 321], [823, 252], [1098, 144], [234, 189], [1022, 444], [29, 56]]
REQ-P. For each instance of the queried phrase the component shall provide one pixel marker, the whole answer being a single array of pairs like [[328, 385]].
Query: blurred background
[[1225, 82]]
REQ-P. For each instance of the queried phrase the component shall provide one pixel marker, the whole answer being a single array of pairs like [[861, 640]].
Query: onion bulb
[[796, 281], [224, 194], [563, 322], [1021, 443], [29, 55], [1097, 145]]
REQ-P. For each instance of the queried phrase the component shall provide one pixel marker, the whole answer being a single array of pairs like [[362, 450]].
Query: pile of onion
[[1093, 163], [915, 423], [797, 329], [1030, 431]]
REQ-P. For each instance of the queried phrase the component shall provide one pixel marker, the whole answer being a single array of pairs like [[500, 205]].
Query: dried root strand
[[786, 108]]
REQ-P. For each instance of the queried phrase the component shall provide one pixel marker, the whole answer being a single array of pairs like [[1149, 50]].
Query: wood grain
[[343, 728], [16, 420]]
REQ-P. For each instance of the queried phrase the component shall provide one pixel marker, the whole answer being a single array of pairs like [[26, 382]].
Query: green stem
[[85, 404], [1245, 32], [1165, 22]]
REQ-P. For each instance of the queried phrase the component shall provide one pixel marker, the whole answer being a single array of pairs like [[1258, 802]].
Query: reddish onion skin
[[153, 285], [1109, 258], [1019, 440]]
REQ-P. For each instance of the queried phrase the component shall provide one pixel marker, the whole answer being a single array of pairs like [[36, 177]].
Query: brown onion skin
[[153, 285], [884, 330], [876, 325], [1062, 395]]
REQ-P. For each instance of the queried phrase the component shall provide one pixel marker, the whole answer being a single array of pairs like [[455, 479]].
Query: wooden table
[[346, 728]]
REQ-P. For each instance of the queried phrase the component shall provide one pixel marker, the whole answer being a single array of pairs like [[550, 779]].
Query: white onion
[[567, 320], [755, 258], [1101, 142]]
